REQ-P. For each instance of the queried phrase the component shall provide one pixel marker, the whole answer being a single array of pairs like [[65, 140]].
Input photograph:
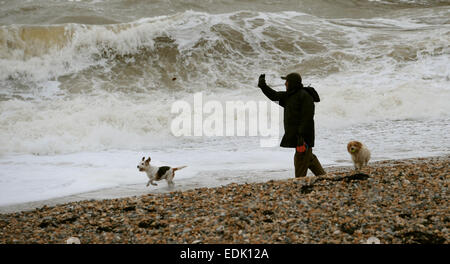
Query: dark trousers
[[307, 160]]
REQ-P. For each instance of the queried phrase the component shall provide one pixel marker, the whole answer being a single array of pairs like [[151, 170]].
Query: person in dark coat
[[298, 103]]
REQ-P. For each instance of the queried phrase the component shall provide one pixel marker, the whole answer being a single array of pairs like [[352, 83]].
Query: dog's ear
[[143, 158], [148, 160]]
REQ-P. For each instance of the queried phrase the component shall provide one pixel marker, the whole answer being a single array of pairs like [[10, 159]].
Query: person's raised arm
[[269, 92]]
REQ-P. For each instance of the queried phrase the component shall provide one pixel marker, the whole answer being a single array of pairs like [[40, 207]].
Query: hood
[[313, 93]]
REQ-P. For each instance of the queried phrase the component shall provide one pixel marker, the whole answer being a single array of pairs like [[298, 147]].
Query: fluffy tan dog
[[360, 154]]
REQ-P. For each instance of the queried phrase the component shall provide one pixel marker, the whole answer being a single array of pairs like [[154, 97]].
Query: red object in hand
[[301, 148]]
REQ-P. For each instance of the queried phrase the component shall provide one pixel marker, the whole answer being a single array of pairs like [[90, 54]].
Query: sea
[[87, 87]]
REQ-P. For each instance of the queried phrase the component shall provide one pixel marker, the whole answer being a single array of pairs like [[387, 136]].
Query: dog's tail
[[179, 168]]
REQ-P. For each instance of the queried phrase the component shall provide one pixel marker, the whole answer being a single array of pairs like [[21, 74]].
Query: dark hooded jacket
[[298, 104]]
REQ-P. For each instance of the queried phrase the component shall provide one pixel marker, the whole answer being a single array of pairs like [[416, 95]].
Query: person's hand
[[301, 145], [262, 81], [301, 148]]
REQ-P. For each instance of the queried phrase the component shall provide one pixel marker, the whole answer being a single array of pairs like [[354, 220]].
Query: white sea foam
[[110, 121], [25, 177]]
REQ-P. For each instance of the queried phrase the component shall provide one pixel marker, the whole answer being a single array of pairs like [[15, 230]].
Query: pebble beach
[[390, 202]]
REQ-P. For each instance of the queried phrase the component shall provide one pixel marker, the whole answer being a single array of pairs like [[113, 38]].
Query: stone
[[73, 240]]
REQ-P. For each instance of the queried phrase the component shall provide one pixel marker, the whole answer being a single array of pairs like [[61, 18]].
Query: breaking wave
[[72, 87]]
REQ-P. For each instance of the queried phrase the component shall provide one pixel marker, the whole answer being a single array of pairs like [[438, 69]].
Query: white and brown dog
[[360, 154], [157, 173]]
